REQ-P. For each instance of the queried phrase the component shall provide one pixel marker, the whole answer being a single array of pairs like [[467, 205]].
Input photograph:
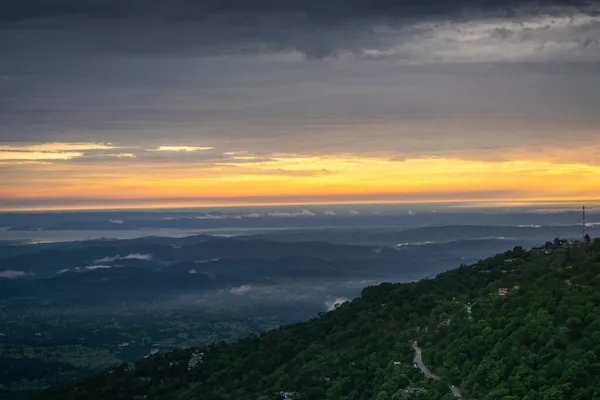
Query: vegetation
[[36, 354], [541, 340]]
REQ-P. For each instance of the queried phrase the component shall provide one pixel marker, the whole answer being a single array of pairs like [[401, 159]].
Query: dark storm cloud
[[232, 75], [315, 9], [316, 29]]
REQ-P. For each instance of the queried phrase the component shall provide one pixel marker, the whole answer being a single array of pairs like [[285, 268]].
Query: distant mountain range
[[427, 235], [286, 218]]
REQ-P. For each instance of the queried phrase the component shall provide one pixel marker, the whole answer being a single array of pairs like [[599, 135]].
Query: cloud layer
[[331, 10], [132, 256], [228, 102], [9, 274], [428, 31]]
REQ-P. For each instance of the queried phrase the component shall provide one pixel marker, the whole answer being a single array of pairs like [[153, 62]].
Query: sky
[[130, 103]]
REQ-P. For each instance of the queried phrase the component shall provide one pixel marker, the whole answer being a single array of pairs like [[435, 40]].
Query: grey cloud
[[210, 160], [284, 292], [314, 28], [46, 153], [86, 268], [10, 274], [234, 104], [243, 290], [332, 303], [319, 10], [132, 256], [233, 75]]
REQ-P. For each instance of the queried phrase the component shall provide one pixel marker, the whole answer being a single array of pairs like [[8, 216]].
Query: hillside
[[539, 341]]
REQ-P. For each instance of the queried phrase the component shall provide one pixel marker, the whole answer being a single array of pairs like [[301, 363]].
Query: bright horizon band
[[285, 179]]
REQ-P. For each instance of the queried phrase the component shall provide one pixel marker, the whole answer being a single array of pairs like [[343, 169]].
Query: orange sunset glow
[[288, 179]]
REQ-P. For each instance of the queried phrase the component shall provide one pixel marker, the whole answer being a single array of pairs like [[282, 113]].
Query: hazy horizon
[[395, 206]]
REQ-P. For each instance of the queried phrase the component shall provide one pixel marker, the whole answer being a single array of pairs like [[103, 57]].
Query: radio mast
[[583, 224]]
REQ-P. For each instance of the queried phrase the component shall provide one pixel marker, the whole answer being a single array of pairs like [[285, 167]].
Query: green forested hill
[[540, 341]]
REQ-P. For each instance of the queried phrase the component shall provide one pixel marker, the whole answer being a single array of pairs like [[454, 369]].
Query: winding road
[[418, 360]]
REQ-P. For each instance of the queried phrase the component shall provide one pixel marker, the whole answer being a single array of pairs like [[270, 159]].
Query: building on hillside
[[502, 291], [509, 261], [194, 360]]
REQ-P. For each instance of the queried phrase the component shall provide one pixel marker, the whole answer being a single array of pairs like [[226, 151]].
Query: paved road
[[418, 360]]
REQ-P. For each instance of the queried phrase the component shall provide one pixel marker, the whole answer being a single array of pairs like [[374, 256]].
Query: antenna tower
[[583, 224]]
